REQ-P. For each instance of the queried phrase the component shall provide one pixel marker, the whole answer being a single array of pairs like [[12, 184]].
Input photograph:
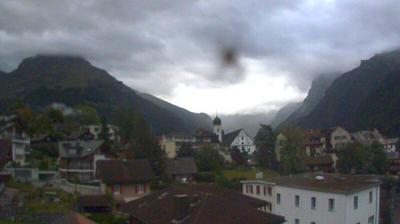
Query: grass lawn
[[249, 174]]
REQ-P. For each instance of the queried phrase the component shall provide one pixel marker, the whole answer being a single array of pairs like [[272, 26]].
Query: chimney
[[181, 206]]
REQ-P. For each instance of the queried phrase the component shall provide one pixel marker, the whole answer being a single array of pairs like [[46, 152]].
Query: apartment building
[[319, 198]]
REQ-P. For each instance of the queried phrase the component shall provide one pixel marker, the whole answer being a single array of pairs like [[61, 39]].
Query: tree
[[293, 153], [87, 115], [55, 116], [357, 158], [265, 144], [208, 159], [105, 135], [239, 157], [186, 150], [25, 120]]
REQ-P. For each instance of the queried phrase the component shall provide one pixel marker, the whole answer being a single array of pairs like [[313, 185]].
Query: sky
[[213, 56]]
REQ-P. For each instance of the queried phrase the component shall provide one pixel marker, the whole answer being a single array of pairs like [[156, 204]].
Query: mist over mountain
[[314, 96], [44, 79], [249, 122], [284, 113], [365, 97]]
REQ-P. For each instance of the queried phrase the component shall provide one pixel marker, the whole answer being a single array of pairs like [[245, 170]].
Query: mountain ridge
[[72, 80], [365, 97]]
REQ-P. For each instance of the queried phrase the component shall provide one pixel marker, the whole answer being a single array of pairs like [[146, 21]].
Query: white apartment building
[[320, 198]]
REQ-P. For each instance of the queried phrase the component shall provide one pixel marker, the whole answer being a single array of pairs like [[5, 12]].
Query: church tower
[[218, 128]]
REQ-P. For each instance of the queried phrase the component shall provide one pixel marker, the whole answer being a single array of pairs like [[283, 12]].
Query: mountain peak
[[46, 60]]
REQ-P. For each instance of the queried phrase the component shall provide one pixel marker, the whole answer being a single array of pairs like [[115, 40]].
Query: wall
[[244, 142]]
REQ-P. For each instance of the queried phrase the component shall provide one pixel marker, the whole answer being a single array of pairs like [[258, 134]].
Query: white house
[[97, 129], [20, 142], [320, 198]]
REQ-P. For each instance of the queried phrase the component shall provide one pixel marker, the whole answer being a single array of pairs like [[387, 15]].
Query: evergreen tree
[[208, 159], [105, 135], [265, 144]]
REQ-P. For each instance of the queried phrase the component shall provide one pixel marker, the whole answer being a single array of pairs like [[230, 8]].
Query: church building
[[238, 138]]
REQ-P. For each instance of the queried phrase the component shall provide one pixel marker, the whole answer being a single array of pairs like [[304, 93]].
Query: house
[[125, 179], [83, 135], [95, 203], [20, 142], [325, 163], [77, 159], [198, 203], [313, 142], [181, 169], [96, 130], [335, 139], [320, 198], [390, 144], [73, 218], [172, 142], [239, 139]]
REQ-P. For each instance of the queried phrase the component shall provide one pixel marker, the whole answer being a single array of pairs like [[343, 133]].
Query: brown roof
[[208, 204], [318, 160], [94, 201], [181, 165], [74, 218], [336, 183], [124, 171]]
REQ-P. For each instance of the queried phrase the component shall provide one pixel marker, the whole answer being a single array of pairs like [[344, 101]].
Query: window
[[258, 189], [297, 221], [269, 191], [297, 201], [116, 189], [278, 199], [370, 197], [371, 220], [265, 190], [140, 188], [331, 204], [355, 202], [251, 189], [313, 202]]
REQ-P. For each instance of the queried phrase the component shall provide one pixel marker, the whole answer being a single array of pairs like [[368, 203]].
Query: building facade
[[314, 199]]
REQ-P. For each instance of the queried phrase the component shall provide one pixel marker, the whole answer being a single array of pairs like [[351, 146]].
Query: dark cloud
[[201, 43]]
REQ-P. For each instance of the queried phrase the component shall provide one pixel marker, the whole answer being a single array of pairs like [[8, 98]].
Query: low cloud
[[202, 44]]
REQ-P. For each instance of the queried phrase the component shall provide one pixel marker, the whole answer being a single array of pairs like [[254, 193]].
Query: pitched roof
[[334, 183], [208, 204], [181, 165], [83, 148], [124, 171], [74, 218], [228, 138], [77, 134]]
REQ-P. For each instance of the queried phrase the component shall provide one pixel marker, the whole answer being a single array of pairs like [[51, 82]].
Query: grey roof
[[124, 171], [228, 138], [334, 183], [181, 165], [83, 148], [367, 137]]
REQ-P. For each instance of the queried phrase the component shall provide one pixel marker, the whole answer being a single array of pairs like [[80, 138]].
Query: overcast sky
[[207, 55]]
